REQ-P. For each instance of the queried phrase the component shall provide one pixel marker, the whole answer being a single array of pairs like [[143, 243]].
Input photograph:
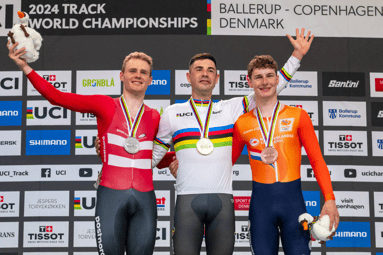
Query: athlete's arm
[[163, 140], [238, 144], [310, 143]]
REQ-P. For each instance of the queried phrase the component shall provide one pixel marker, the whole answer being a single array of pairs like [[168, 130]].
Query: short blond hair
[[138, 55], [261, 62]]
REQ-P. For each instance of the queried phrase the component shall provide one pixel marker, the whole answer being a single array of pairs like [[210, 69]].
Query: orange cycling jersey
[[293, 129]]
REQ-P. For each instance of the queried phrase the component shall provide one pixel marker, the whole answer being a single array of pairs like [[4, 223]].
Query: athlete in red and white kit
[[126, 209]]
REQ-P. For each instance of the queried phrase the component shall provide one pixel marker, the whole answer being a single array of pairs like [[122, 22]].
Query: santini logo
[[344, 84]]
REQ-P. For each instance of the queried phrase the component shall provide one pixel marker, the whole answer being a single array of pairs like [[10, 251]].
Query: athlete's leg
[[188, 227], [219, 222], [294, 239], [263, 220], [111, 221], [142, 225]]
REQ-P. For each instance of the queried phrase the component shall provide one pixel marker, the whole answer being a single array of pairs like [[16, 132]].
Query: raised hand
[[302, 43]]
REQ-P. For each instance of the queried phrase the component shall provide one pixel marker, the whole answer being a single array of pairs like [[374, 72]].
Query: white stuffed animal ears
[[319, 228], [26, 37]]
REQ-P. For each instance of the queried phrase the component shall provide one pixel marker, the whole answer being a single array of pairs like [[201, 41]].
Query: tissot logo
[[344, 84], [61, 80], [236, 83], [345, 137], [241, 234], [350, 173], [85, 119], [379, 84], [45, 234]]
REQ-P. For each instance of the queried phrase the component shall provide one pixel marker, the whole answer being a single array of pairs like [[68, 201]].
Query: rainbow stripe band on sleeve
[[161, 143], [285, 74]]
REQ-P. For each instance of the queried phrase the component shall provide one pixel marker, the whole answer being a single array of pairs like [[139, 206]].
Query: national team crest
[[332, 113], [286, 124]]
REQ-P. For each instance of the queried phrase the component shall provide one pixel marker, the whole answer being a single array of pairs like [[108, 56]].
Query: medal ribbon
[[132, 125], [268, 139], [203, 129]]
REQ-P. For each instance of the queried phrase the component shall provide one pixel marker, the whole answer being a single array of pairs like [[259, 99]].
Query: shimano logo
[[48, 142], [350, 234], [99, 236], [159, 82], [343, 84], [9, 113]]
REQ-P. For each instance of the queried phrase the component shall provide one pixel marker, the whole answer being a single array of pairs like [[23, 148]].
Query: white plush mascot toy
[[26, 37], [319, 228]]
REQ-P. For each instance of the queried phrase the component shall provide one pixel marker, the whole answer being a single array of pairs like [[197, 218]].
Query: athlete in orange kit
[[274, 134]]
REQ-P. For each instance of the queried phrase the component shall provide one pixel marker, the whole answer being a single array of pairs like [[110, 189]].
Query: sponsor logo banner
[[242, 235], [53, 253], [348, 253], [343, 173], [61, 80], [183, 87], [97, 17], [376, 84], [242, 172], [85, 202], [84, 142], [43, 113], [379, 234], [10, 143], [160, 84], [311, 107], [378, 204], [9, 234], [159, 105], [9, 203], [33, 173], [163, 202], [344, 84], [163, 234], [48, 142], [46, 203], [352, 204], [8, 15], [11, 81], [98, 82], [85, 119], [46, 234], [302, 84], [377, 114], [236, 83], [344, 113], [312, 200], [264, 18], [377, 144], [345, 143], [351, 234], [10, 113], [84, 234], [241, 202]]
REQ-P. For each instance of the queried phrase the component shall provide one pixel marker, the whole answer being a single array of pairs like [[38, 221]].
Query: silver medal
[[205, 146], [132, 145]]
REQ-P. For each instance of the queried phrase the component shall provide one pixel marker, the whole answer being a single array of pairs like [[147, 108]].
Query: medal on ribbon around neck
[[269, 154], [131, 144], [204, 145]]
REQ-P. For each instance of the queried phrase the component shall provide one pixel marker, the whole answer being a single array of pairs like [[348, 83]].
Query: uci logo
[[9, 83], [53, 112]]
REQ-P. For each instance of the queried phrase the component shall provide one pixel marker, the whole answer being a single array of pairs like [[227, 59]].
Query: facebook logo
[[46, 172], [312, 200], [160, 84]]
